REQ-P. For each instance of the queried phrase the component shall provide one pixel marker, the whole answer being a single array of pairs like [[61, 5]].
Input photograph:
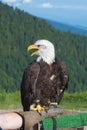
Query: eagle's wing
[[28, 85], [64, 75], [62, 79]]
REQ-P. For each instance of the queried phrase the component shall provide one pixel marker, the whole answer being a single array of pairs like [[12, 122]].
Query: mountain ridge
[[77, 29]]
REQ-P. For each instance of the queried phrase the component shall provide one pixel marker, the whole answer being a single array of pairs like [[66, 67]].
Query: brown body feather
[[43, 82]]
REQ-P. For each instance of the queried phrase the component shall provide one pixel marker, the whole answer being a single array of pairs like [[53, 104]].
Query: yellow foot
[[38, 108], [53, 103]]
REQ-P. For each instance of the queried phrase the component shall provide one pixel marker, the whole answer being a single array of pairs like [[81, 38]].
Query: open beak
[[30, 47]]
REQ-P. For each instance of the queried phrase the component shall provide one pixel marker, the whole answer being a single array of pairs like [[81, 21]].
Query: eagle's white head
[[44, 49]]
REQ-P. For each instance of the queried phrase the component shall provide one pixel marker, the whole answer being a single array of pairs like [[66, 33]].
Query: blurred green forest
[[18, 29]]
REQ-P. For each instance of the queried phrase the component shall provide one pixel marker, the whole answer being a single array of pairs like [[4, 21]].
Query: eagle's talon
[[38, 108], [55, 104]]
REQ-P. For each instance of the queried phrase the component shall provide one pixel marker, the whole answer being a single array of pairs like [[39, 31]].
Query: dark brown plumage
[[42, 83]]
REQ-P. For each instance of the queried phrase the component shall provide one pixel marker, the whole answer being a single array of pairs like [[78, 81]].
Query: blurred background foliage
[[18, 29]]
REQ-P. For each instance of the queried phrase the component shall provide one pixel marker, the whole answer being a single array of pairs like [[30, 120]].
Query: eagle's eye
[[42, 46], [38, 45]]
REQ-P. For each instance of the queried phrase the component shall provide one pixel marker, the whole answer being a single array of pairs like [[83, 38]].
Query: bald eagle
[[45, 80]]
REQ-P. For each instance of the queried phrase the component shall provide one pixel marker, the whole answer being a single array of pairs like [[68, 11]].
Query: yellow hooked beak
[[30, 47]]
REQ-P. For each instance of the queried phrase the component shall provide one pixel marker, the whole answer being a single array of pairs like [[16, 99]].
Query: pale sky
[[72, 12]]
